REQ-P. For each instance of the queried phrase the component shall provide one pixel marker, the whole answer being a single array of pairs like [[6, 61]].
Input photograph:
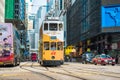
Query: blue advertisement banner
[[111, 16]]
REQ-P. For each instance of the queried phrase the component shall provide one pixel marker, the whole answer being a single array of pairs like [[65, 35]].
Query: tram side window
[[46, 45], [45, 26], [53, 46], [59, 46], [60, 27], [53, 27]]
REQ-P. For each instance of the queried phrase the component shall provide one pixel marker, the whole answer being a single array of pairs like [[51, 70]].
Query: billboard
[[9, 9], [111, 16], [6, 37]]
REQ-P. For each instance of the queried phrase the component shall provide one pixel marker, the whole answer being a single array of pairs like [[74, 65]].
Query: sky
[[37, 4]]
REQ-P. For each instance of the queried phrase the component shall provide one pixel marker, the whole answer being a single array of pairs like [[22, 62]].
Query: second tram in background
[[34, 56], [51, 51], [70, 53]]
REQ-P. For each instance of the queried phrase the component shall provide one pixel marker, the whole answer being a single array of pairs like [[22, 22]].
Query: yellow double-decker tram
[[51, 51]]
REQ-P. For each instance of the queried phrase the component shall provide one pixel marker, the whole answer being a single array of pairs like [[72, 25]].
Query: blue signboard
[[111, 16]]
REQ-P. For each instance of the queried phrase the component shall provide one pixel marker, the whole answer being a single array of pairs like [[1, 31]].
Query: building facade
[[15, 14], [59, 9], [36, 14], [50, 4], [39, 17], [30, 18], [95, 25], [2, 11]]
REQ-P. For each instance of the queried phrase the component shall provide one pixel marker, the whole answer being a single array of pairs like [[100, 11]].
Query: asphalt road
[[68, 71]]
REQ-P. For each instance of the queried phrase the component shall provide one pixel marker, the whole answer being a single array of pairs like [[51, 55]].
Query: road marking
[[14, 74], [6, 75]]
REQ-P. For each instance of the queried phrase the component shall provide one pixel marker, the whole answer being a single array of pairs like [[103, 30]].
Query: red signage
[[53, 53]]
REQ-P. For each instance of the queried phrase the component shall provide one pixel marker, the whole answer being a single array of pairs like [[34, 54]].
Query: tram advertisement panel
[[6, 39]]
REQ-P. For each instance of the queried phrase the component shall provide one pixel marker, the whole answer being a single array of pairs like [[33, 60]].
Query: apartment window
[[16, 6], [60, 4], [16, 1]]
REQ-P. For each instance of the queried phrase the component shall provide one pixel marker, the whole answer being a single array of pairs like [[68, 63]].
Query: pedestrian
[[116, 58]]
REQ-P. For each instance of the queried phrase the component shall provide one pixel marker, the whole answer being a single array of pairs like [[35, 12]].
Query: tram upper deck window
[[53, 27], [60, 27], [45, 26]]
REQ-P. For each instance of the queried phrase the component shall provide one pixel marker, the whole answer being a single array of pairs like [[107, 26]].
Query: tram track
[[61, 73], [72, 74], [38, 73], [103, 71], [69, 74], [84, 70], [68, 71]]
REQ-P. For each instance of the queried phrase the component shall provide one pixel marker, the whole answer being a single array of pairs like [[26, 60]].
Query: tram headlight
[[106, 60], [113, 60], [53, 57]]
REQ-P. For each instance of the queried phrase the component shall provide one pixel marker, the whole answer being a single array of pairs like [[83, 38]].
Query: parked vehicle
[[9, 45], [103, 59], [87, 57]]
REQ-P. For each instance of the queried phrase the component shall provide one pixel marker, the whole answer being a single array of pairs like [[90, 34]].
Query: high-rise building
[[2, 10], [30, 31], [50, 4], [50, 8], [39, 17], [15, 14], [95, 24], [36, 13]]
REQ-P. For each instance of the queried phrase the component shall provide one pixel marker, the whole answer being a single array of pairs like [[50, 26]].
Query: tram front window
[[59, 46], [53, 46], [53, 27], [60, 27], [45, 26], [46, 45]]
